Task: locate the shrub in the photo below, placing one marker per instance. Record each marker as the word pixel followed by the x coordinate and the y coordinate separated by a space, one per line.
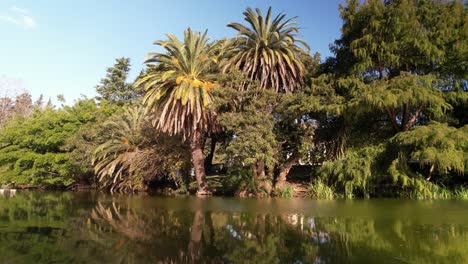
pixel 319 190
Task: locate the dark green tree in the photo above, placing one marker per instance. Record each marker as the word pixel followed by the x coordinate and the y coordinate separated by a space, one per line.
pixel 440 148
pixel 245 113
pixel 115 87
pixel 384 38
pixel 399 65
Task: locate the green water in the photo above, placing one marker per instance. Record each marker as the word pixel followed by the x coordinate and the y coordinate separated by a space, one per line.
pixel 57 227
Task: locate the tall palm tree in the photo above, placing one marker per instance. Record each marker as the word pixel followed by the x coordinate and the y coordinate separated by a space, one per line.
pixel 178 92
pixel 267 51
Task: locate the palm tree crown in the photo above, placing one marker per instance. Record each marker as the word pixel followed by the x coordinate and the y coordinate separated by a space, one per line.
pixel 267 50
pixel 178 85
pixel 114 160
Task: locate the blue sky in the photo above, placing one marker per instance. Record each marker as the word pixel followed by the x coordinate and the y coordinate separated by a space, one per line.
pixel 64 47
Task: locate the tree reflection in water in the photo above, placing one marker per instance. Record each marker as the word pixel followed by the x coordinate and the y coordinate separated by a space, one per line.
pixel 129 224
pixel 180 236
pixel 90 228
pixel 169 236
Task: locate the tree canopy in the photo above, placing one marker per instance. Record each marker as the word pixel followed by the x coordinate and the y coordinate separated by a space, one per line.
pixel 257 114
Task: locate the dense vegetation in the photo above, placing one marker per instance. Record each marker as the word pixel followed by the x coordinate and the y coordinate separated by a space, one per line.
pixel 386 116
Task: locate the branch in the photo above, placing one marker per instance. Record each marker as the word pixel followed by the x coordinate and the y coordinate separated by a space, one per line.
pixel 413 119
pixel 284 170
pixel 392 116
pixel 405 115
pixel 7 145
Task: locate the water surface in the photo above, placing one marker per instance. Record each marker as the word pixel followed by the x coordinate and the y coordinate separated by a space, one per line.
pixel 91 227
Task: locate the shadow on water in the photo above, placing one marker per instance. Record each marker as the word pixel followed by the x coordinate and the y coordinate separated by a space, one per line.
pixel 60 227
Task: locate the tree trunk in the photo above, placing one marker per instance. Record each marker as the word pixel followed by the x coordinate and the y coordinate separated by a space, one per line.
pixel 260 169
pixel 406 121
pixel 209 224
pixel 281 180
pixel 199 166
pixel 405 115
pixel 260 177
pixel 392 116
pixel 209 158
pixel 410 123
pixel 196 233
pixel 431 170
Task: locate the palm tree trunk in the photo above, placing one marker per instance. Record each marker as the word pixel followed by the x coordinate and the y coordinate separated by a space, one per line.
pixel 196 236
pixel 199 166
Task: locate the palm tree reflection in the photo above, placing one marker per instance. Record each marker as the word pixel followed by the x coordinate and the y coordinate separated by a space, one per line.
pixel 129 234
pixel 129 223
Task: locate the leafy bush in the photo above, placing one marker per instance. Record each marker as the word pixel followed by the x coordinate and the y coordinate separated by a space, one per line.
pixel 354 173
pixel 34 149
pixel 438 150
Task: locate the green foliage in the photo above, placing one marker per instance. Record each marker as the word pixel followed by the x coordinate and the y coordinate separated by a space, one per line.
pixel 178 93
pixel 303 120
pixel 421 189
pixel 365 118
pixel 35 149
pixel 246 116
pixel 403 98
pixel 395 67
pixel 80 145
pixel 294 126
pixel 459 101
pixel 461 193
pixel 263 126
pixel 320 191
pixel 287 192
pixel 394 58
pixel 441 147
pixel 267 51
pixel 354 173
pixel 112 158
pixel 240 180
pixel 418 36
pixel 417 164
pixel 178 89
pixel 114 88
pixel 134 154
pixel 448 24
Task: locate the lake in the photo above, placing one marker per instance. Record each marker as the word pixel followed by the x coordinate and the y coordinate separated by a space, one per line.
pixel 93 227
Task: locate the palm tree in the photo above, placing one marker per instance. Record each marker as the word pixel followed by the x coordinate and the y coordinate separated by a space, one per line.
pixel 267 51
pixel 178 92
pixel 135 154
pixel 114 160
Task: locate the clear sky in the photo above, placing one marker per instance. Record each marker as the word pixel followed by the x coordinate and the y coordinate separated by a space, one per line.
pixel 56 47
